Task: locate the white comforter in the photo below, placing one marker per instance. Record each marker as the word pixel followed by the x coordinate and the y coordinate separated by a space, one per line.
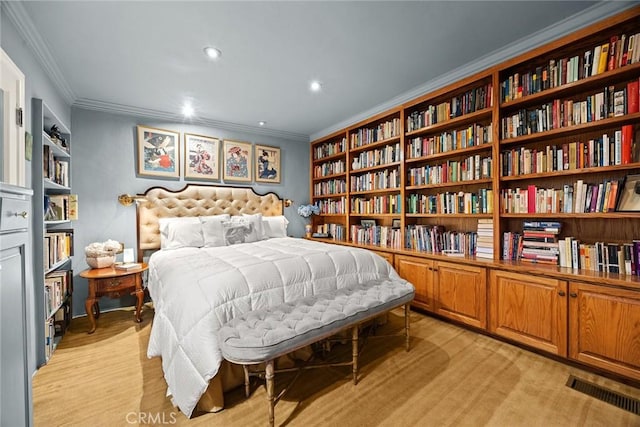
pixel 195 291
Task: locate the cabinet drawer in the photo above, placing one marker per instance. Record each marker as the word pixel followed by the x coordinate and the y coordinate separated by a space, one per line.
pixel 14 214
pixel 115 284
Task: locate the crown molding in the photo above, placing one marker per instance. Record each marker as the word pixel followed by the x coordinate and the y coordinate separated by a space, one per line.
pixel 108 107
pixel 28 31
pixel 588 16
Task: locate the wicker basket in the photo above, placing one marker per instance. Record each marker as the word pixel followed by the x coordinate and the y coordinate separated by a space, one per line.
pixel 101 261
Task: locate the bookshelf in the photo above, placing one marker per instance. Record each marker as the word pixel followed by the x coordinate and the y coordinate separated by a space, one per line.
pixel 541 137
pixel 54 207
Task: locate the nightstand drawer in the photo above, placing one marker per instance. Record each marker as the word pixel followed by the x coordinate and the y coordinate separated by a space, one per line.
pixel 115 284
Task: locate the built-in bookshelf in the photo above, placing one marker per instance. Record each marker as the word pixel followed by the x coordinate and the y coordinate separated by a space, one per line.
pixel 54 208
pixel 553 135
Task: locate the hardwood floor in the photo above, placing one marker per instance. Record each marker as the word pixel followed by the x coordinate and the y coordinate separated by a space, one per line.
pixel 451 377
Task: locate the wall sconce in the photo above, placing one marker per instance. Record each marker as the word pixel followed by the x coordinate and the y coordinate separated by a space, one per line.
pixel 287 202
pixel 128 200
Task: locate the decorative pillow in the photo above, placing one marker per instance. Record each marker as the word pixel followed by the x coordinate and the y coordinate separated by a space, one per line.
pixel 212 230
pixel 239 230
pixel 275 226
pixel 256 220
pixel 182 232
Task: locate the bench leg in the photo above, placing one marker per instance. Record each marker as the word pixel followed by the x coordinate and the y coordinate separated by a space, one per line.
pixel 406 325
pixel 247 388
pixel 354 353
pixel 269 377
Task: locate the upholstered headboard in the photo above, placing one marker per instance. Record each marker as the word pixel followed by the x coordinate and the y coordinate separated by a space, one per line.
pixel 197 200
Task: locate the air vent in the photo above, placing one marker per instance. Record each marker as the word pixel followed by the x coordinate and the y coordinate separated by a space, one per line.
pixel 616 399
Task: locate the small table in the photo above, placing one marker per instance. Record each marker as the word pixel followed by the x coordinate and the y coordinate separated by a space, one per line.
pixel 114 283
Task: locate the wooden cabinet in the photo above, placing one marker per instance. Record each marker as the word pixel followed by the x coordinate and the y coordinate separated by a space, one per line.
pixel 460 293
pixel 604 328
pixel 386 255
pixel 419 272
pixel 528 309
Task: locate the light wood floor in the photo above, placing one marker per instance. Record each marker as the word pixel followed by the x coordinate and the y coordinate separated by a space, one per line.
pixel 451 377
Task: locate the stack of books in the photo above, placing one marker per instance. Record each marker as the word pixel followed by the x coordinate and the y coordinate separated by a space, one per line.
pixel 540 242
pixel 484 248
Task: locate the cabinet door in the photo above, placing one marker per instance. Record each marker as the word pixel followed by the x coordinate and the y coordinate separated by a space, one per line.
pixel 418 271
pixel 386 255
pixel 604 328
pixel 461 293
pixel 528 309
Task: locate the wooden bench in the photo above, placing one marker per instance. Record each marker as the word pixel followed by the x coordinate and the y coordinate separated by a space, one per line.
pixel 261 336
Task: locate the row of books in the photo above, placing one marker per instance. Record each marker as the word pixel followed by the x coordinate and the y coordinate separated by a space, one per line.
pixel 386 130
pixel 618 52
pixel 458 139
pixel 580 197
pixel 451 203
pixel 604 257
pixel 60 207
pixel 484 247
pixel 470 101
pixel 566 113
pixel 329 168
pixel 332 231
pixel 470 169
pixel 390 204
pixel 435 239
pixel 57 246
pixel 332 206
pixel 57 286
pixel 380 156
pixel 55 326
pixel 383 236
pixel 538 243
pixel 385 179
pixel 54 169
pixel 332 186
pixel 617 149
pixel 329 149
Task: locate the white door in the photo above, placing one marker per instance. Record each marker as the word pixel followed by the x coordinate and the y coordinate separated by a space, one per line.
pixel 12 86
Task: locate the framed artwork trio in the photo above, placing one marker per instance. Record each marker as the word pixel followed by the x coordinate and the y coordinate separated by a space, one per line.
pixel 205 157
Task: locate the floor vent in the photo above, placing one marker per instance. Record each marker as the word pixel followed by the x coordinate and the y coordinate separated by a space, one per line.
pixel 620 400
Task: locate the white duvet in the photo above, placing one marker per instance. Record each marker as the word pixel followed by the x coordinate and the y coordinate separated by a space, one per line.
pixel 195 291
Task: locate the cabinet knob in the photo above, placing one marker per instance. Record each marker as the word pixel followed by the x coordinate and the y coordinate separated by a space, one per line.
pixel 573 295
pixel 561 293
pixel 23 214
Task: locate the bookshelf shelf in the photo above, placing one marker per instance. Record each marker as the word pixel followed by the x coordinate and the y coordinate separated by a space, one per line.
pixel 373 168
pixel 450 184
pixel 376 144
pixel 452 153
pixel 329 158
pixel 476 116
pixel 378 191
pixel 420 215
pixel 581 171
pixel 335 175
pixel 329 196
pixel 586 215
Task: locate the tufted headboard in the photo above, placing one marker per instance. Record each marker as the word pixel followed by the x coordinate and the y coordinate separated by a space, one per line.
pixel 197 200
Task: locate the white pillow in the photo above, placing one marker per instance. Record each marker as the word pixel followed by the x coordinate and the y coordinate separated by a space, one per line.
pixel 181 232
pixel 275 226
pixel 256 220
pixel 212 230
pixel 240 229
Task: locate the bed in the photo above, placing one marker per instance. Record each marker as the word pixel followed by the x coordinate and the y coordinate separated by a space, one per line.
pixel 195 290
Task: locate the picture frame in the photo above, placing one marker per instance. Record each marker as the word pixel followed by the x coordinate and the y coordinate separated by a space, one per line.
pixel 158 152
pixel 395 223
pixel 201 157
pixel 267 164
pixel 367 223
pixel 629 198
pixel 237 158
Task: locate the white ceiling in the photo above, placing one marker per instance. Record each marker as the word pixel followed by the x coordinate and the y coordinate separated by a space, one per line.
pixel 148 55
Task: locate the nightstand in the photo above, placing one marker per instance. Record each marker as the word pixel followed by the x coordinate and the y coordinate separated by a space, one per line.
pixel 113 283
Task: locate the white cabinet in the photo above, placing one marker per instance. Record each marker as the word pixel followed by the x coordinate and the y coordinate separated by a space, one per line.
pixel 12 146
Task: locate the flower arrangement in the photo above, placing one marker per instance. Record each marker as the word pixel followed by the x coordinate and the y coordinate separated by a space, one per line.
pixel 308 210
pixel 102 254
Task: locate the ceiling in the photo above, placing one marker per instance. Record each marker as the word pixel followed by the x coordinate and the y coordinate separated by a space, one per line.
pixel 148 55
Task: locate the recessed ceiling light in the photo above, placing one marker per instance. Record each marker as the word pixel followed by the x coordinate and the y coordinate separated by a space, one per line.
pixel 262 123
pixel 315 86
pixel 212 52
pixel 187 110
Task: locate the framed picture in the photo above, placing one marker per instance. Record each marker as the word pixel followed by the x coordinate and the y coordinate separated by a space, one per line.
pixel 202 157
pixel 158 152
pixel 629 200
pixel 237 160
pixel 395 223
pixel 267 164
pixel 367 223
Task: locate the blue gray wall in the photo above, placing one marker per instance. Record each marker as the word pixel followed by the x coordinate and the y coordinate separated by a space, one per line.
pixel 104 166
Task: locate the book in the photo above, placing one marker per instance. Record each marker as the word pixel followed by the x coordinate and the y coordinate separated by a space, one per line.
pixel 127 266
pixel 626 144
pixel 632 97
